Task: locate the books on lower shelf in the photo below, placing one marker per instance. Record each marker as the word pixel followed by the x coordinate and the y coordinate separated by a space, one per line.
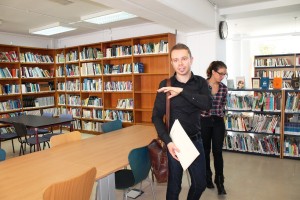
pixel 255 144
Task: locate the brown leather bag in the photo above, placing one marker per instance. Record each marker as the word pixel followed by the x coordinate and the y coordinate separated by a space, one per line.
pixel 158 151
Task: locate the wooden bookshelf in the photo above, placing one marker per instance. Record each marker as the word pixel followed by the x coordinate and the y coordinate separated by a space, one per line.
pixel 90 80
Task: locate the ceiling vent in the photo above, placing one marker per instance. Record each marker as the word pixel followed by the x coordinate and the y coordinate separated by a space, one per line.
pixel 62 2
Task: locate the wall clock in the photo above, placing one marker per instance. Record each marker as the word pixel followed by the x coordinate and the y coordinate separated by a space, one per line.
pixel 223 30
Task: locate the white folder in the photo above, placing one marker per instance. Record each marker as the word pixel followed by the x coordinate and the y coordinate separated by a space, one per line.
pixel 188 152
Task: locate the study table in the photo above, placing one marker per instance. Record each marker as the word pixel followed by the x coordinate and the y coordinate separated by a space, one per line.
pixel 26 177
pixel 34 121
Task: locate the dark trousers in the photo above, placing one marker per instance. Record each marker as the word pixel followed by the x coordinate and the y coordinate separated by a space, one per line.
pixel 212 133
pixel 197 173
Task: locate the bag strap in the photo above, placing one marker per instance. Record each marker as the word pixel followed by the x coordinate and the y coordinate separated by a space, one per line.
pixel 168 106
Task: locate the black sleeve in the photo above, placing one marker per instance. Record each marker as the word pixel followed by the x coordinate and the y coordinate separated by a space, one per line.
pixel 159 111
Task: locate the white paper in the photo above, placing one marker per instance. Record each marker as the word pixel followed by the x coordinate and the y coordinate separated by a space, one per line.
pixel 188 152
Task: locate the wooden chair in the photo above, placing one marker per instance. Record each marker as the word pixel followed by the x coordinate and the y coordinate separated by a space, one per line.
pixel 65 138
pixel 76 188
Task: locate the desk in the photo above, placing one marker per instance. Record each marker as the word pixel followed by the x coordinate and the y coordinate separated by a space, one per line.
pixel 34 121
pixel 107 152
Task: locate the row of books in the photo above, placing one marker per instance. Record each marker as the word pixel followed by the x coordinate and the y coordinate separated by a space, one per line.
pixel 8 129
pixel 150 48
pixel 35 87
pixel 92 126
pixel 92 114
pixel 89 53
pixel 92 84
pixel 89 69
pixel 92 101
pixel 247 143
pixel 9 89
pixel 292 147
pixel 72 70
pixel 291 128
pixel 6 73
pixel 73 100
pixel 125 116
pixel 12 104
pixel 60 72
pixel 60 58
pixel 61 99
pixel 293 102
pixel 256 123
pixel 125 104
pixel 272 74
pixel 29 57
pixel 118 86
pixel 76 112
pixel 272 62
pixel 35 72
pixel 8 56
pixel 73 85
pixel 13 114
pixel 72 56
pixel 38 102
pixel 264 101
pixel 118 51
pixel 117 69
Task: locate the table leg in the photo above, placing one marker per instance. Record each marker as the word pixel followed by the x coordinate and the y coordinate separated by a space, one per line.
pixel 106 188
pixel 38 148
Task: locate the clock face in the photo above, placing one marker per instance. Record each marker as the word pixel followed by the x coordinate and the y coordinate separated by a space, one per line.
pixel 223 30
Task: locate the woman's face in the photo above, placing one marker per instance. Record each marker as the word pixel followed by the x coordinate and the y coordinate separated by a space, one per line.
pixel 220 74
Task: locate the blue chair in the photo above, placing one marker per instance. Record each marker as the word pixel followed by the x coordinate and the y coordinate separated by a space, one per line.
pixel 111 126
pixel 139 161
pixel 2 155
pixel 8 136
pixel 24 140
pixel 41 130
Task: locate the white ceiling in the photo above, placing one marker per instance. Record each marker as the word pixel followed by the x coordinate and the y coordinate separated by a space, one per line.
pixel 243 16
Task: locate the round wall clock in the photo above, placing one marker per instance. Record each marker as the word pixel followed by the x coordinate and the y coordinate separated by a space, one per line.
pixel 223 30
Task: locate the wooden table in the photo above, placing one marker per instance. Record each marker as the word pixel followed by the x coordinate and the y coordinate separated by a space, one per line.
pixel 34 121
pixel 27 177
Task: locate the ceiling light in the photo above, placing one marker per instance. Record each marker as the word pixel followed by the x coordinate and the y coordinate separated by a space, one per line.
pixel 105 19
pixel 50 29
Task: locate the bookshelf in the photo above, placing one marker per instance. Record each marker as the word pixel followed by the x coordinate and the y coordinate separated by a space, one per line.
pixel 96 82
pixel 267 127
pixel 284 66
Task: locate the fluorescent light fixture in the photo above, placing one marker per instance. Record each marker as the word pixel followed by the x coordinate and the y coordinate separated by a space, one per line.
pixel 50 29
pixel 108 18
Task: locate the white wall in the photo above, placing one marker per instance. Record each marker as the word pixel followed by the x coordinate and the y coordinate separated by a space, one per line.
pixel 114 34
pixel 24 40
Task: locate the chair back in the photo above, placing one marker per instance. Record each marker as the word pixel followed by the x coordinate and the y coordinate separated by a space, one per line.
pixel 47 114
pixel 139 161
pixel 111 126
pixel 66 116
pixel 77 188
pixel 65 138
pixel 20 129
pixel 2 155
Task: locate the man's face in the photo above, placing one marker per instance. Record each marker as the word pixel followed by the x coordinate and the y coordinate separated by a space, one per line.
pixel 181 61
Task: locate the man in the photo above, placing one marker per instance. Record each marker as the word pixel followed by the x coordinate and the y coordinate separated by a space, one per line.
pixel 189 94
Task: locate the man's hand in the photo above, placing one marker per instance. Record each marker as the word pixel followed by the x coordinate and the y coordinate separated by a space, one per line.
pixel 174 91
pixel 173 149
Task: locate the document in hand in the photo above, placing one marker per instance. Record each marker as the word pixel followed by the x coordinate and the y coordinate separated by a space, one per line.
pixel 188 152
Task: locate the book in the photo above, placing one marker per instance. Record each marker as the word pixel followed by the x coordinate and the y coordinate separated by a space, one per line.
pixel 230 84
pixel 264 83
pixel 240 82
pixel 277 83
pixel 188 152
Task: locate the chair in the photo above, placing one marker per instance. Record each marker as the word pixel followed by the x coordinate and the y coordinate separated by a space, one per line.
pixel 8 136
pixel 62 116
pixel 2 155
pixel 111 126
pixel 65 138
pixel 21 131
pixel 139 161
pixel 76 188
pixel 41 130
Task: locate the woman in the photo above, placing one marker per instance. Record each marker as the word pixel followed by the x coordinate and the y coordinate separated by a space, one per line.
pixel 213 126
